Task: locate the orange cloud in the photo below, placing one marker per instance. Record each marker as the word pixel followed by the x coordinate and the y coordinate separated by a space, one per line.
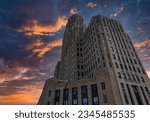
pixel 91 5
pixel 73 10
pixel 148 73
pixel 22 97
pixel 142 44
pixel 40 48
pixel 35 28
pixel 14 73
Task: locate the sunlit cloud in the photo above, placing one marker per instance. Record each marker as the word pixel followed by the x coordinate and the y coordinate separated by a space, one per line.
pixel 14 73
pixel 91 5
pixel 148 73
pixel 119 10
pixel 39 48
pixel 34 27
pixel 22 96
pixel 143 50
pixel 142 44
pixel 73 10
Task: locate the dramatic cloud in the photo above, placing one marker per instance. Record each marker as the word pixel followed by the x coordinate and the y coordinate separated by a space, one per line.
pixel 73 10
pixel 34 27
pixel 40 48
pixel 91 5
pixel 13 73
pixel 143 50
pixel 22 95
pixel 142 44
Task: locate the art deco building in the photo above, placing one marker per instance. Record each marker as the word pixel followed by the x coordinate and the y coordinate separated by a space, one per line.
pixel 99 65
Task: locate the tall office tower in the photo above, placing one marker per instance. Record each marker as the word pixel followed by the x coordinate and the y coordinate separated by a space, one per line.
pixel 71 43
pixel 99 65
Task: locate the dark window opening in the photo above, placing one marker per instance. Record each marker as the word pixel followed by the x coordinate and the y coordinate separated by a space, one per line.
pixel 84 94
pixel 49 93
pixel 103 85
pixel 142 79
pixel 124 94
pixel 65 96
pixel 130 95
pixel 95 99
pixel 74 96
pixel 105 97
pixel 57 97
pixel 119 75
pixel 144 96
pixel 137 95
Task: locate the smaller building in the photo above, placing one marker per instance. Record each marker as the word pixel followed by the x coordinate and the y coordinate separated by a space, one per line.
pixel 82 92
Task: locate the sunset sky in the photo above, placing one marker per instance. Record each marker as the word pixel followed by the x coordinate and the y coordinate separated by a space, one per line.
pixel 31 33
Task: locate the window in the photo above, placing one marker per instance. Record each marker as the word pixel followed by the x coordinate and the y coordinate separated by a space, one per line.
pixel 74 96
pixel 130 94
pixel 137 77
pixel 135 61
pixel 121 66
pixel 49 93
pixel 95 99
pixel 142 79
pixel 144 95
pixel 137 94
pixel 102 57
pixel 78 73
pixel 138 70
pixel 119 75
pixel 103 85
pixel 84 94
pixel 112 49
pixel 104 65
pixel 147 91
pixel 133 78
pixel 65 96
pixel 116 65
pixel 129 77
pixel 125 67
pixel 124 93
pixel 98 60
pixel 114 57
pixel 124 75
pixel 57 97
pixel 105 97
pixel 110 42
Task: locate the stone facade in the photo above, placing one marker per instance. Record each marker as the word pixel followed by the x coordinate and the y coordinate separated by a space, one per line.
pixel 99 65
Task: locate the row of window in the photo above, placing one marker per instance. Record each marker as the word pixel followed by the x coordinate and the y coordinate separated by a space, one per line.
pixel 130 77
pixel 84 95
pixel 137 92
pixel 122 43
pixel 124 67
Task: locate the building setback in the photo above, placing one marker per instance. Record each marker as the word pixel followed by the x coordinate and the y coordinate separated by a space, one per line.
pixel 99 65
